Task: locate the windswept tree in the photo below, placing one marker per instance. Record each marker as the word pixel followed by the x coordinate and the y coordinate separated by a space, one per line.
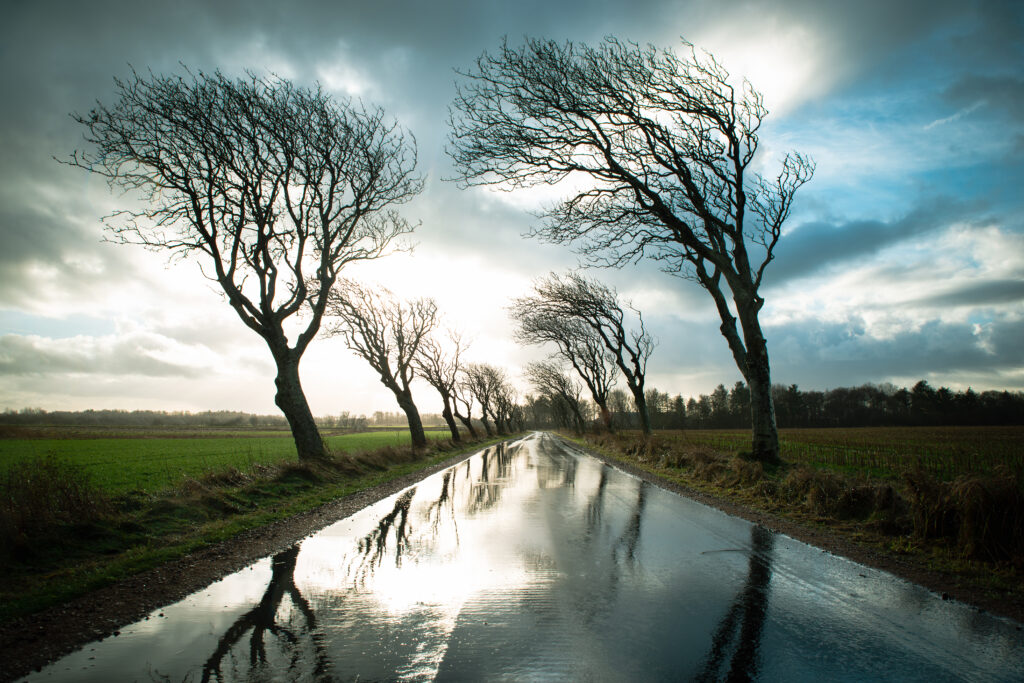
pixel 387 333
pixel 574 312
pixel 271 187
pixel 550 379
pixel 485 383
pixel 462 402
pixel 577 344
pixel 439 366
pixel 661 149
pixel 506 410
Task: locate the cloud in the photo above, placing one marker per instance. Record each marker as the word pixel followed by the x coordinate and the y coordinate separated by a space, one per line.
pixel 818 245
pixel 1003 94
pixel 133 354
pixel 993 292
pixel 848 355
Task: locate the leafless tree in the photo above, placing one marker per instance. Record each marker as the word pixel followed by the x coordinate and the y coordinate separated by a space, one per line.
pixel 462 401
pixel 272 187
pixel 505 407
pixel 576 314
pixel 577 344
pixel 664 149
pixel 387 334
pixel 485 382
pixel 440 368
pixel 551 380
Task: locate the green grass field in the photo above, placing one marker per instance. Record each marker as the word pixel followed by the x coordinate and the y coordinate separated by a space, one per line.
pixel 139 462
pixel 886 452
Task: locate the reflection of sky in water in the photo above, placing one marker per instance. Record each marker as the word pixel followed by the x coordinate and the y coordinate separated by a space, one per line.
pixel 528 561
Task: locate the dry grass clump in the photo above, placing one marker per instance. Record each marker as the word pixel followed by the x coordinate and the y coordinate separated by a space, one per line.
pixel 982 515
pixel 977 517
pixel 41 493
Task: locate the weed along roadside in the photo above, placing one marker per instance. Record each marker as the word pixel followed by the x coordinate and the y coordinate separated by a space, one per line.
pixel 79 563
pixel 962 538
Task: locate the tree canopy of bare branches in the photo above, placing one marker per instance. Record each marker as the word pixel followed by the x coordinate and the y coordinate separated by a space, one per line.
pixel 584 320
pixel 386 333
pixel 272 187
pixel 664 147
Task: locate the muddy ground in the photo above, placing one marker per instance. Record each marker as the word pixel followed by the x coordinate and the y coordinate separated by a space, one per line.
pixel 29 643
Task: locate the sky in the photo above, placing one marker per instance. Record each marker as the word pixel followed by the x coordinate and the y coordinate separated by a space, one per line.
pixel 903 259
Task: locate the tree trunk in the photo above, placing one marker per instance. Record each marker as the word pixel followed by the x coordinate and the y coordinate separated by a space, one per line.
pixel 468 421
pixel 419 438
pixel 578 416
pixel 450 419
pixel 487 425
pixel 292 402
pixel 641 409
pixel 751 356
pixel 606 416
pixel 764 431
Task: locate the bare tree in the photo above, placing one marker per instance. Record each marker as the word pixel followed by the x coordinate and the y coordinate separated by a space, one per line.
pixel 462 400
pixel 441 370
pixel 484 382
pixel 551 380
pixel 505 406
pixel 664 148
pixel 272 187
pixel 387 334
pixel 575 313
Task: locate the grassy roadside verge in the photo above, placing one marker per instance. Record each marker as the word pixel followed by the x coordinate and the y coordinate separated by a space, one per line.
pixel 68 538
pixel 964 536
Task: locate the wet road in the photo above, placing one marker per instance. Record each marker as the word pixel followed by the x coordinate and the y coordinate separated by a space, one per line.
pixel 534 561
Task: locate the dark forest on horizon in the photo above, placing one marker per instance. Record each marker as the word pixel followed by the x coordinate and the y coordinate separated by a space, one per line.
pixel 868 405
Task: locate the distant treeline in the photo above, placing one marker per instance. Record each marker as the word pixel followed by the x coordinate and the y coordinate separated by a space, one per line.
pixel 868 405
pixel 214 418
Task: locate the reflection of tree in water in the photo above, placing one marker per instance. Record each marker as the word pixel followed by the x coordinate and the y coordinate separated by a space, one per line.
pixel 495 470
pixel 595 506
pixel 623 547
pixel 445 502
pixel 557 472
pixel 631 533
pixel 374 546
pixel 741 628
pixel 287 631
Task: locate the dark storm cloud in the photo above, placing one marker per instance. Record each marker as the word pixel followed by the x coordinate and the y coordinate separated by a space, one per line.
pixel 805 352
pixel 817 245
pixel 990 293
pixel 1003 93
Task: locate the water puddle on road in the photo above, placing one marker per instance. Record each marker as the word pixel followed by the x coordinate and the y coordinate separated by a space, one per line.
pixel 533 561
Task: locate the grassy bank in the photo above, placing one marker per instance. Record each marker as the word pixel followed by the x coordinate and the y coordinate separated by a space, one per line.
pixel 968 526
pixel 68 525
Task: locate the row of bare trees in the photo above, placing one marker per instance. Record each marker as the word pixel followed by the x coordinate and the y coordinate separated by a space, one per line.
pixel 591 334
pixel 399 341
